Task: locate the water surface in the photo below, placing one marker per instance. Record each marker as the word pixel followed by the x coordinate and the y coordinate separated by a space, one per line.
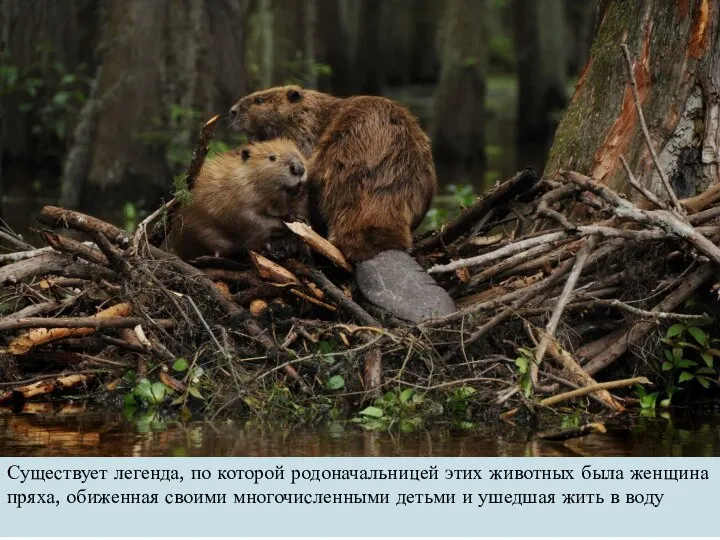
pixel 47 429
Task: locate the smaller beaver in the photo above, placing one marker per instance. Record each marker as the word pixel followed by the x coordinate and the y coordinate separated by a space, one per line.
pixel 241 199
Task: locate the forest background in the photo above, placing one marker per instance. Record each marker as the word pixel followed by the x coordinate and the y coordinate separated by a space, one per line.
pixel 101 100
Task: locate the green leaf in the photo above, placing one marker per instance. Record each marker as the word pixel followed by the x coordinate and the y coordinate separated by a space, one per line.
pixel 522 364
pixel 406 394
pixel 335 383
pixel 685 363
pixel 677 353
pixel 665 403
pixel 685 376
pixel 686 345
pixel 668 355
pixel 707 358
pixel 674 330
pixel 698 335
pixel 194 392
pixel 324 347
pixel 667 341
pixel 372 412
pixel 527 353
pixel 704 381
pixel 464 392
pixel 181 364
pixel 159 391
pixel 667 366
pixel 705 371
pixel 714 352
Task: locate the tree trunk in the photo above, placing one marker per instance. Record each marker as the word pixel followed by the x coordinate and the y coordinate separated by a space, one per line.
pixel 540 47
pixel 309 22
pixel 458 130
pixel 334 49
pixel 165 68
pixel 676 62
pixel 369 57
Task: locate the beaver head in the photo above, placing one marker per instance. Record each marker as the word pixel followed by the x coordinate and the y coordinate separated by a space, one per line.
pixel 278 174
pixel 290 112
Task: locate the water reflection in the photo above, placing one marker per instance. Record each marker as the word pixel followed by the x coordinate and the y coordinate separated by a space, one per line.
pixel 44 429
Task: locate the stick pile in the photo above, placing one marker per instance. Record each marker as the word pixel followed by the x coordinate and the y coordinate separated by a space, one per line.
pixel 565 268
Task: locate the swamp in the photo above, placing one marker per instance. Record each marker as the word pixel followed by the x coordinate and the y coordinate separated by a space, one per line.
pixel 576 226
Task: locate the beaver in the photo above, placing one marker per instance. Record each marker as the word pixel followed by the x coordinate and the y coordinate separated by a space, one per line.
pixel 240 200
pixel 370 165
pixel 371 176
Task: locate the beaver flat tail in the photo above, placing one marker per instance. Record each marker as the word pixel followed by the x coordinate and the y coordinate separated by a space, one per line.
pixel 394 281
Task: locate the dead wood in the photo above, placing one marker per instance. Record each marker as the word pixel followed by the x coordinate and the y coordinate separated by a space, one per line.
pixel 674 299
pixel 521 182
pixel 318 244
pixel 256 324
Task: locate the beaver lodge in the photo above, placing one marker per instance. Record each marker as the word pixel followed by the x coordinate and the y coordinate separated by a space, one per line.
pixel 565 291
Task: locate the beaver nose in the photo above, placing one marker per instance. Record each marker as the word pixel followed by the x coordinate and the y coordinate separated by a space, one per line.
pixel 234 111
pixel 296 168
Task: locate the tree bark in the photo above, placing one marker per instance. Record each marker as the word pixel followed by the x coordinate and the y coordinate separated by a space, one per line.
pixel 676 62
pixel 458 130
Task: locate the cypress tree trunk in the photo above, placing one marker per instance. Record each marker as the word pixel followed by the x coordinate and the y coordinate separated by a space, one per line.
pixel 676 62
pixel 458 130
pixel 540 45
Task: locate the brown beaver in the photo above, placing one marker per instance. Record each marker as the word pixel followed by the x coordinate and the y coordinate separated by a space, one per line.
pixel 240 200
pixel 370 165
pixel 372 180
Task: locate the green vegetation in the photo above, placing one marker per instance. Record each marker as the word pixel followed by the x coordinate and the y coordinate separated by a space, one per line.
pixel 459 197
pixel 689 354
pixel 523 363
pixel 46 91
pixel 172 132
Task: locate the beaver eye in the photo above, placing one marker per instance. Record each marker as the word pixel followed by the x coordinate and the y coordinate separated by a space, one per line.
pixel 259 101
pixel 272 157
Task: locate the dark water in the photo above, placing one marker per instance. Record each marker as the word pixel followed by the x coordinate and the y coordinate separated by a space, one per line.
pixel 45 429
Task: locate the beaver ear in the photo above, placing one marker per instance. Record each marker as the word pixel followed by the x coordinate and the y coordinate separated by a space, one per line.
pixel 294 95
pixel 245 153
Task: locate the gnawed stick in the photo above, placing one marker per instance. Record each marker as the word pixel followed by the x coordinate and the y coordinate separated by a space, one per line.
pixel 581 392
pixel 549 334
pixel 566 360
pixel 47 386
pixel 47 333
pixel 319 244
pixel 80 322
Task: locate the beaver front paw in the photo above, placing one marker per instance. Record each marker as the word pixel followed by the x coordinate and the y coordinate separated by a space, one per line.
pixel 288 247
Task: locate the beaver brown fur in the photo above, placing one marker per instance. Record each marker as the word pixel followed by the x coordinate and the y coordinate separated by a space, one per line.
pixel 240 200
pixel 370 165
